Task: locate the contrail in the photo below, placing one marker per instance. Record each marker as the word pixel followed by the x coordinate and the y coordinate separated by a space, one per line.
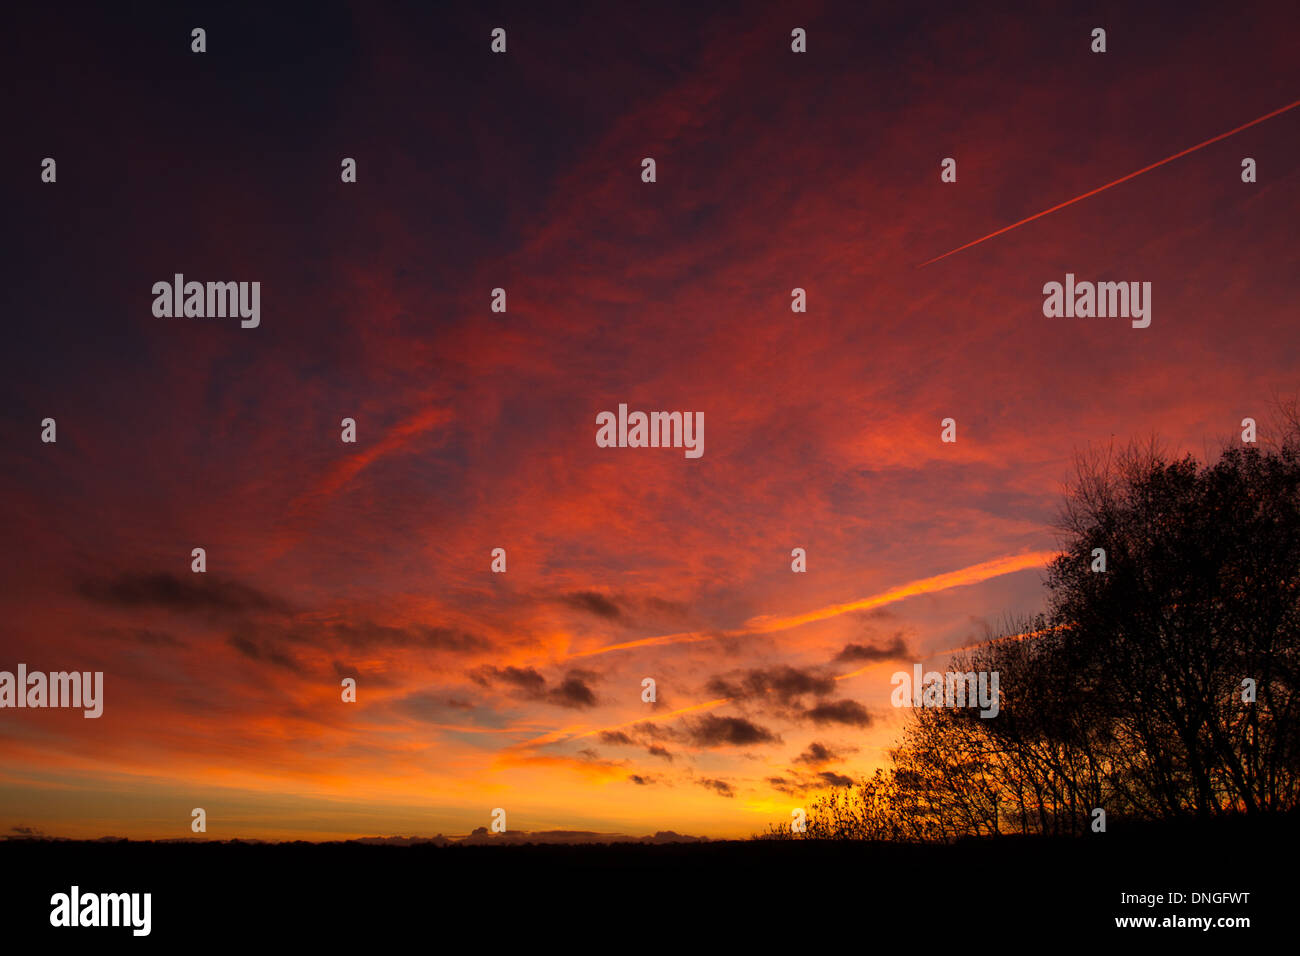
pixel 1122 179
pixel 940 582
pixel 765 624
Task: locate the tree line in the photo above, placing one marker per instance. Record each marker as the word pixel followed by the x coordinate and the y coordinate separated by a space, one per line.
pixel 1161 688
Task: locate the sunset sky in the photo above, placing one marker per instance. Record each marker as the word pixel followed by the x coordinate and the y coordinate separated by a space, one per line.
pixel 476 430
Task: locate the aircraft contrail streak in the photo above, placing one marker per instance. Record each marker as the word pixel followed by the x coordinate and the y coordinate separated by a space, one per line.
pixel 1122 179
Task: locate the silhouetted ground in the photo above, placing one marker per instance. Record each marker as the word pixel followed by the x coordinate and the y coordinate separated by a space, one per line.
pixel 972 895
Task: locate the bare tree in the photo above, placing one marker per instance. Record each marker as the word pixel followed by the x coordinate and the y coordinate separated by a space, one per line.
pixel 1164 686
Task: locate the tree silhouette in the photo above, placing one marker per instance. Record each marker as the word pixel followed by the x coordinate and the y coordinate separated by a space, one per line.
pixel 1127 692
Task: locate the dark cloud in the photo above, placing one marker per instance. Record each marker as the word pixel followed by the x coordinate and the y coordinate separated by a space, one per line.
pixel 782 785
pixel 721 687
pixel 816 754
pixel 262 651
pixel 654 731
pixel 720 786
pixel 640 780
pixel 346 639
pixel 714 731
pixel 369 635
pixel 573 691
pixel 194 593
pixel 641 737
pixel 895 649
pixel 527 680
pixel 213 594
pixel 593 602
pixel 799 783
pixel 216 596
pixel 784 682
pixel 839 712
pixel 369 679
pixel 621 608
